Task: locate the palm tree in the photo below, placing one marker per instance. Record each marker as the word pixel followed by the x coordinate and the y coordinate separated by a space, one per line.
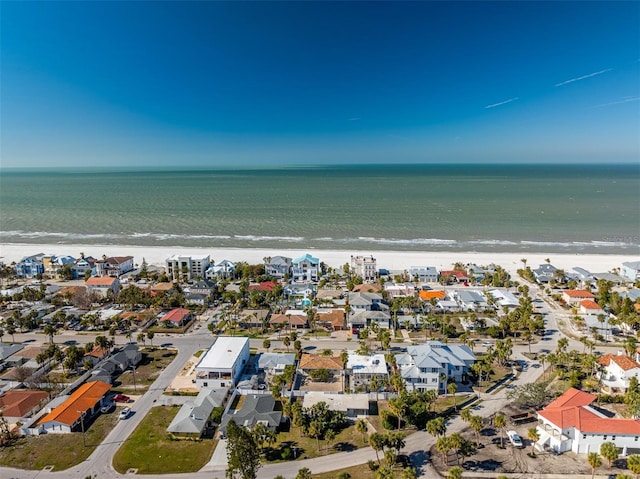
pixel 377 442
pixel 455 473
pixel 500 422
pixel 451 389
pixel 594 461
pixel 286 341
pixel 361 427
pixel 50 330
pixel 609 451
pixel 477 424
pixel 633 464
pixel 443 446
pixel 436 427
pixel 534 436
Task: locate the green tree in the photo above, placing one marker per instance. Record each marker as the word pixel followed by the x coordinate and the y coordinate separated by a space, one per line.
pixel 633 464
pixel 437 427
pixel 361 427
pixel 455 473
pixel 150 335
pixel 477 424
pixel 609 451
pixel 443 446
pixel 266 344
pixel 377 442
pixel 534 436
pixel 594 461
pixel 243 453
pixel 304 473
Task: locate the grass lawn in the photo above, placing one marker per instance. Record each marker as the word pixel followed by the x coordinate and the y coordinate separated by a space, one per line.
pixel 150 450
pixel 61 451
pixel 307 447
pixel 360 471
pixel 445 402
pixel 152 363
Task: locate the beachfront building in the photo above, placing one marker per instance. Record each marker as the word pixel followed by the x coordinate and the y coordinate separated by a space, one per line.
pixel 222 365
pixel 570 424
pixel 544 273
pixel 278 266
pixel 305 268
pixel 433 365
pixel 30 266
pixel 82 265
pixel 114 266
pixel 453 276
pixel 424 274
pixel 185 267
pixel 103 286
pixel 53 264
pixel 225 269
pixel 364 267
pixel 631 270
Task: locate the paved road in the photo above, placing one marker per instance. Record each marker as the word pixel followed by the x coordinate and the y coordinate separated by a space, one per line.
pixel 99 463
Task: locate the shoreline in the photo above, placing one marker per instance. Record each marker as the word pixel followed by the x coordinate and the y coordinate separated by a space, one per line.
pixel 335 258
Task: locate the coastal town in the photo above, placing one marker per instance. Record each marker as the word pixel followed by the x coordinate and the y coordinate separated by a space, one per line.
pixel 293 368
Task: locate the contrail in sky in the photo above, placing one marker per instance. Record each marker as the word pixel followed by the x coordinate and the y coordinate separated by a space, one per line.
pixel 583 77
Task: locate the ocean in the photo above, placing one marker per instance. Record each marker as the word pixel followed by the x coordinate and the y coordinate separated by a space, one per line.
pixel 509 208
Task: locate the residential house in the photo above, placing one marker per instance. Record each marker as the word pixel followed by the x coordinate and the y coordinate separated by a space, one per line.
pixel 311 362
pixel 273 364
pixel 225 269
pixel 129 356
pixel 222 365
pixel 255 409
pixel 365 319
pixel 30 266
pixel 82 265
pixel 305 268
pixel 333 319
pixel 618 370
pixel 365 302
pixel 177 317
pixel 253 318
pixel 300 292
pixel 476 272
pixel 470 300
pixel 292 319
pixel 203 287
pixel 433 365
pixel 544 273
pixel 364 267
pixel 573 297
pixel 454 276
pixel 18 404
pixel 103 286
pixel 362 370
pixel 590 308
pixel 424 274
pixel 52 264
pixel 76 410
pixel 504 298
pixel 432 296
pixel 367 288
pixel 353 405
pixel 278 266
pixel 631 270
pixel 187 267
pixel 570 423
pixel 195 415
pixel 402 290
pixel 114 266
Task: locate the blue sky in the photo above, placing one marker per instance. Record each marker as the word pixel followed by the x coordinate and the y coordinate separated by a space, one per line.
pixel 279 83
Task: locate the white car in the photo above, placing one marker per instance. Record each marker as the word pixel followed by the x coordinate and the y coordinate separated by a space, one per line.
pixel 124 414
pixel 514 439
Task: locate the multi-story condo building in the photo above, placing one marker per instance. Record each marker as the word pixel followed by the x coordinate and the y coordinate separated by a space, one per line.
pixel 183 267
pixel 365 267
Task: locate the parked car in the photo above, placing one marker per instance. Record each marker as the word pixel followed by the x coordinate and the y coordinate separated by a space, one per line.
pixel 107 408
pixel 124 414
pixel 121 398
pixel 514 439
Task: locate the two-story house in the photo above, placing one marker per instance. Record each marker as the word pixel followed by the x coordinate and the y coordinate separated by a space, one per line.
pixel 222 365
pixel 225 269
pixel 114 266
pixel 618 370
pixel 278 266
pixel 305 268
pixel 101 286
pixel 424 274
pixel 30 266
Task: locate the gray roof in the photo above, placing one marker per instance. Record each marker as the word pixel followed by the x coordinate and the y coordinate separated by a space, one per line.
pixel 193 415
pixel 439 353
pixel 256 408
pixel 471 297
pixel 632 265
pixel 7 350
pixel 280 260
pixel 269 360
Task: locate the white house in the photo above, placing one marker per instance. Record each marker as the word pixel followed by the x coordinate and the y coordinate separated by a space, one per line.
pixel 362 369
pixel 433 364
pixel 187 267
pixel 631 270
pixel 504 298
pixel 224 269
pixel 222 365
pixel 353 405
pixel 278 266
pixel 306 268
pixel 570 424
pixel 114 266
pixel 101 285
pixel 365 267
pixel 424 274
pixel 619 369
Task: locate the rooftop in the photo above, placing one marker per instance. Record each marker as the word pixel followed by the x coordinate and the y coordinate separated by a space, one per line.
pixel 223 353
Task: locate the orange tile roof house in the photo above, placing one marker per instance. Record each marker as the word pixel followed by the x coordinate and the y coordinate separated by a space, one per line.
pixel 334 319
pixel 177 316
pixel 574 296
pixel 83 403
pixel 570 424
pixel 309 362
pixel 20 403
pixel 588 306
pixel 428 295
pixel 101 285
pixel 293 321
pixel 619 369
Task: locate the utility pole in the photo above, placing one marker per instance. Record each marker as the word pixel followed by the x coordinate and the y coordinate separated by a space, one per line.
pixel 133 368
pixel 84 443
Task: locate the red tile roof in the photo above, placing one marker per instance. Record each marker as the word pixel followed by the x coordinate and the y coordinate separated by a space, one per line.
pixel 115 259
pixel 625 362
pixel 82 399
pixel 101 281
pixel 264 286
pixel 579 293
pixel 590 304
pixel 455 273
pixel 293 319
pixel 571 410
pixel 18 403
pixel 176 315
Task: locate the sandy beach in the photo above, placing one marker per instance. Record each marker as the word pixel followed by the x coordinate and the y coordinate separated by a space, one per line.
pixel 391 260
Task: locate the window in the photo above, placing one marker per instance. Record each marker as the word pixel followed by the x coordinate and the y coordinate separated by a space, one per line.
pixel 613 438
pixel 635 438
pixel 584 436
pixel 605 437
pixel 205 385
